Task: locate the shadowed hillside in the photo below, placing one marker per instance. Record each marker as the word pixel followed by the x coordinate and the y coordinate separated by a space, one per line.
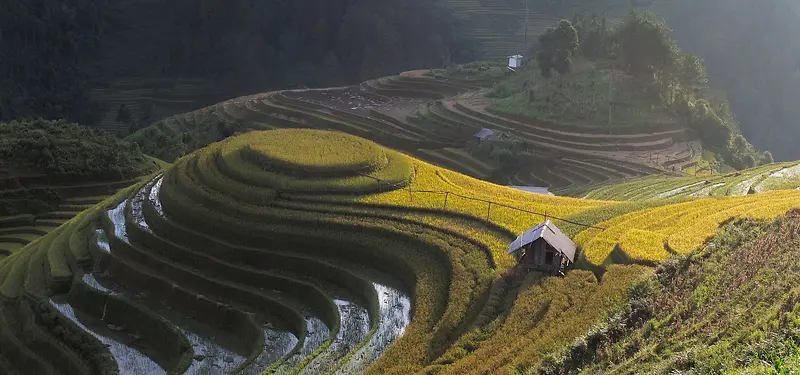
pixel 311 251
pixel 50 171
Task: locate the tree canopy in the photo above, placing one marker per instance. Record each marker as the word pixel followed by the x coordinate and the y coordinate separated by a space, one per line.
pixel 68 150
pixel 46 47
pixel 556 47
pixel 645 45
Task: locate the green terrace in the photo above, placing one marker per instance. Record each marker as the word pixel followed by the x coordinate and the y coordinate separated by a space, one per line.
pixel 434 117
pixel 283 284
pixel 755 180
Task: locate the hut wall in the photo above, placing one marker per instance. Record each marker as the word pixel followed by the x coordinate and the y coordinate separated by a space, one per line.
pixel 536 256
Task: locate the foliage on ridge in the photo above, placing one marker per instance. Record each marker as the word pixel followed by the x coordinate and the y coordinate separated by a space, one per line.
pixel 632 74
pixel 69 150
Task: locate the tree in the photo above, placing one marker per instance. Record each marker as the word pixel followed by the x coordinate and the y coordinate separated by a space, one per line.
pixel 691 70
pixel 766 158
pixel 562 63
pixel 711 128
pixel 645 46
pixel 593 34
pixel 556 47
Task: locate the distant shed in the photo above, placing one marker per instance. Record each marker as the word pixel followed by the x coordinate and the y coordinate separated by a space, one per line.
pixel 483 134
pixel 514 62
pixel 544 248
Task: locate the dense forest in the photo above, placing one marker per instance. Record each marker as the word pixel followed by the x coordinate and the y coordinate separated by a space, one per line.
pixel 53 50
pixel 68 151
pixel 46 49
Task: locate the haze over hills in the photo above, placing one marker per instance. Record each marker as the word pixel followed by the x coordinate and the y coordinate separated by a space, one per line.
pixel 371 228
pixel 122 53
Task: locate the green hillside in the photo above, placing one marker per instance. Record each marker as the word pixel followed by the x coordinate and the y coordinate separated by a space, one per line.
pixel 302 251
pixel 729 308
pixel 750 181
pixel 52 170
pixel 365 229
pixel 604 119
pixel 498 27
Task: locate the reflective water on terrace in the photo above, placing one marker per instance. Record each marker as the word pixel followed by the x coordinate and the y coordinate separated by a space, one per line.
pixel 395 315
pixel 354 325
pixel 209 357
pixel 276 345
pixel 92 282
pixel 102 240
pixel 317 334
pixel 137 206
pixel 154 192
pixel 706 191
pixel 129 360
pixel 743 187
pixel 117 216
pixel 674 192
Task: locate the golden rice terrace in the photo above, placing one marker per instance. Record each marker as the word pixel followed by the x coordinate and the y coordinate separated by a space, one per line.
pixel 299 251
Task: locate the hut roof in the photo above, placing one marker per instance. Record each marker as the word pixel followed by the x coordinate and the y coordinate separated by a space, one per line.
pixel 550 233
pixel 484 133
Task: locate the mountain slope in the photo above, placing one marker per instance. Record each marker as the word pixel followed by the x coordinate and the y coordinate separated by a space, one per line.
pixel 50 171
pixel 730 308
pixel 312 251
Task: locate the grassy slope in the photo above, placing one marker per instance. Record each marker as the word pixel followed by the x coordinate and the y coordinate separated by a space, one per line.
pixel 452 273
pixel 581 97
pixel 728 309
pixel 760 179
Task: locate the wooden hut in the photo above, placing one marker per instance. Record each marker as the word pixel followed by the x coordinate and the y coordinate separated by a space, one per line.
pixel 544 248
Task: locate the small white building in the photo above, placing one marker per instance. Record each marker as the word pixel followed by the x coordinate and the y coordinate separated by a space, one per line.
pixel 514 62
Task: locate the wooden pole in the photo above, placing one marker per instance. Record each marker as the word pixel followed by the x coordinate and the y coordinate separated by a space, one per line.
pixel 489 211
pixel 446 195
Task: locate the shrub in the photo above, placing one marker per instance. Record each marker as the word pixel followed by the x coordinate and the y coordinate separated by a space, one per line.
pixel 68 150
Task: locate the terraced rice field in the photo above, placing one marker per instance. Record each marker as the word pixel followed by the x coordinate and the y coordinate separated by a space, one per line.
pixel 434 118
pixel 300 251
pixel 499 26
pixel 649 236
pixel 755 180
pixel 332 296
pixel 19 230
pixel 148 99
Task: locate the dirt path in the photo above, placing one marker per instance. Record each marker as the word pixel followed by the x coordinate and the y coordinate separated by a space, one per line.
pixel 657 158
pixel 415 73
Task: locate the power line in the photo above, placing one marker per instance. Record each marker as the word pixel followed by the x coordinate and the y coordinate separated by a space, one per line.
pixel 490 203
